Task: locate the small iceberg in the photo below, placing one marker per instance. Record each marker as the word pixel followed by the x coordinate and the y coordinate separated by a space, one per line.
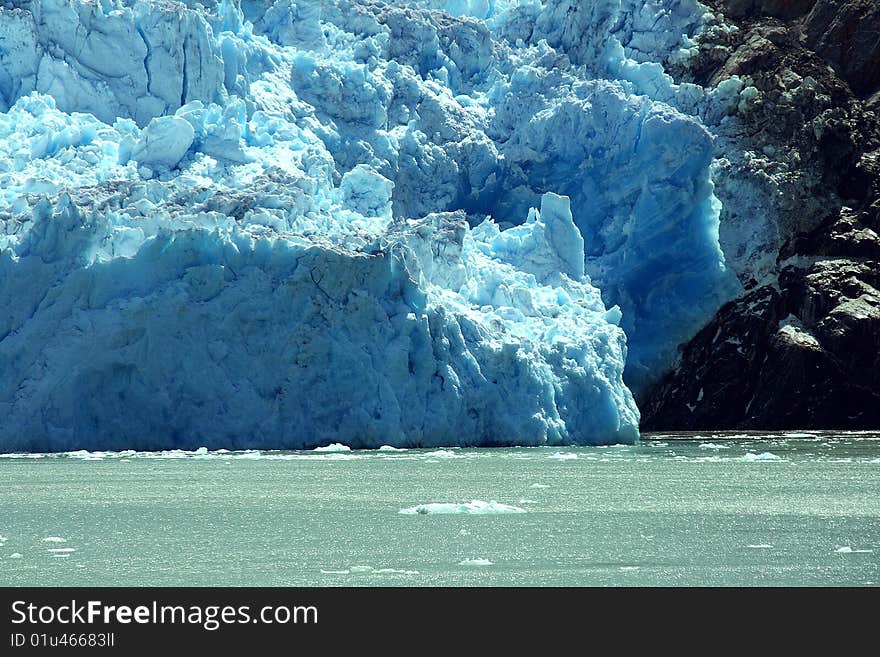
pixel 475 562
pixel 563 456
pixel 369 570
pixel 442 454
pixel 763 456
pixel 334 448
pixel 474 507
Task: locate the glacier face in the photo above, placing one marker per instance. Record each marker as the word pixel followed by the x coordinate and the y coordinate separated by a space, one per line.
pixel 282 224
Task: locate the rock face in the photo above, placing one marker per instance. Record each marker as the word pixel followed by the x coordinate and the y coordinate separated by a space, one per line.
pixel 800 347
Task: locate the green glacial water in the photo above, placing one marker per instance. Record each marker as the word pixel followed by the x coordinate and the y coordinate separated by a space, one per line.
pixel 712 509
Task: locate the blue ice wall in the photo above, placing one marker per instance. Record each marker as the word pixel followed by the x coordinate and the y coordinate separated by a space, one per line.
pixel 295 222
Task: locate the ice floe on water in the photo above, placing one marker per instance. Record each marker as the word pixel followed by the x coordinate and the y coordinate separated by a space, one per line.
pixel 61 552
pixel 706 448
pixel 334 448
pixel 480 562
pixel 760 546
pixel 847 549
pixel 563 456
pixel 368 570
pixel 441 454
pixel 763 456
pixel 474 507
pixel 54 539
pixel 539 486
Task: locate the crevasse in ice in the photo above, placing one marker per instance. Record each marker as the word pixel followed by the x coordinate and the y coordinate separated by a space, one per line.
pixel 283 224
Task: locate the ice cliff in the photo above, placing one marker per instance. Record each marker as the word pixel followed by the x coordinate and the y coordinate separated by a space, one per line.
pixel 283 224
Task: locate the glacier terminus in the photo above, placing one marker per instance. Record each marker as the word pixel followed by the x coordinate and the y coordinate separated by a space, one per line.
pixel 289 223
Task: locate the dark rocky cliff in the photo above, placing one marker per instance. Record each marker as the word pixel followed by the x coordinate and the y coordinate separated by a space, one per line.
pixel 802 348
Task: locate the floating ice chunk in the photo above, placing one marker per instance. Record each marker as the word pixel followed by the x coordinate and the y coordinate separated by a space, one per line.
pixel 539 486
pixel 442 454
pixel 15 555
pixel 760 546
pixel 475 507
pixel 763 456
pixel 563 456
pixel 85 455
pixel 846 549
pixel 334 448
pixel 714 446
pixel 475 562
pixel 54 539
pixel 389 448
pixel 369 570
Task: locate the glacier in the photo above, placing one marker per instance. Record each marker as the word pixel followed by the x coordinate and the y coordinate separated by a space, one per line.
pixel 290 223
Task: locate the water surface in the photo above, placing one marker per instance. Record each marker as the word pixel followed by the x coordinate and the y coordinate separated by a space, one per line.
pixel 712 509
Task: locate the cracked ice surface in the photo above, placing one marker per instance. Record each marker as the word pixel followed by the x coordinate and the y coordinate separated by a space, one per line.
pixel 284 224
